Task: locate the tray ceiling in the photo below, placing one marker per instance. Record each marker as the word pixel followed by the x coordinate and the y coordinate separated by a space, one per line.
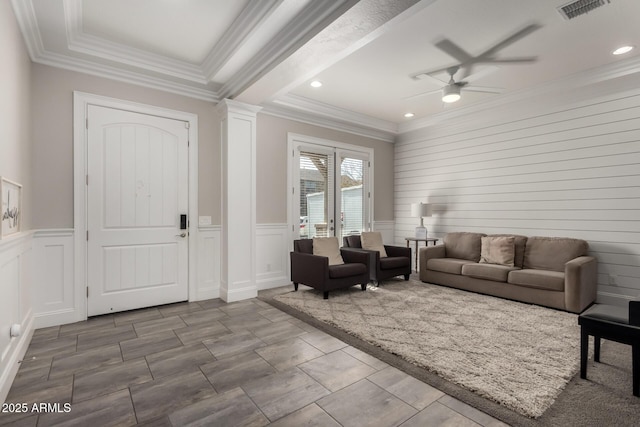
pixel 365 52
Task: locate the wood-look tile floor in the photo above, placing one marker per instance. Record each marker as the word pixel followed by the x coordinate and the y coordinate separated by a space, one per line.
pixel 210 363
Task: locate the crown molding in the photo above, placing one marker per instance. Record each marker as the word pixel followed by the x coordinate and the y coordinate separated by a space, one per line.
pixel 297 32
pixel 81 42
pixel 126 76
pixel 26 17
pixel 251 17
pixel 350 122
pixel 319 108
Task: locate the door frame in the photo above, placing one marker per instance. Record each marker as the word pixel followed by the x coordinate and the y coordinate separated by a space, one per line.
pixel 294 139
pixel 81 101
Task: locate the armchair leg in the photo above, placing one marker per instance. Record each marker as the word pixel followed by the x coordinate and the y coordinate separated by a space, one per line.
pixel 363 286
pixel 325 295
pixel 584 349
pixel 295 286
pixel 406 276
pixel 596 348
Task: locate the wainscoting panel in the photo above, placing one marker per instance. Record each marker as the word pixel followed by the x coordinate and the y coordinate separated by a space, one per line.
pixel 53 298
pixel 15 305
pixel 538 169
pixel 208 283
pixel 272 256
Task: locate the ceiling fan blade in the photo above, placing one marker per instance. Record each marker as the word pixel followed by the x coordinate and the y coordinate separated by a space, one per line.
pixel 422 94
pixel 509 60
pixel 485 71
pixel 453 50
pixel 510 40
pixel 467 70
pixel 483 89
pixel 428 76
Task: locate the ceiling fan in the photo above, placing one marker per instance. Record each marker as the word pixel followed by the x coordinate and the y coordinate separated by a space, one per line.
pixel 467 62
pixel 451 89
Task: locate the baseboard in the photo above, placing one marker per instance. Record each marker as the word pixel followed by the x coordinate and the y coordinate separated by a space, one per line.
pixel 208 293
pixel 58 317
pixel 13 364
pixel 613 299
pixel 238 293
pixel 272 282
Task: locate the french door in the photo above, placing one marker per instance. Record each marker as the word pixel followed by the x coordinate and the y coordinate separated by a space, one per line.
pixel 331 193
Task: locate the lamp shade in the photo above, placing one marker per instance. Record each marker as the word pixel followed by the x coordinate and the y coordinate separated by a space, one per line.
pixel 420 209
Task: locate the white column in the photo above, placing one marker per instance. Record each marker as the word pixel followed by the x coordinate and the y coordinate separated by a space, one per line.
pixel 238 268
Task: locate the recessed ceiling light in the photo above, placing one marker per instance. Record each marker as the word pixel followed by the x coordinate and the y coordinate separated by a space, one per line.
pixel 316 83
pixel 622 50
pixel 409 115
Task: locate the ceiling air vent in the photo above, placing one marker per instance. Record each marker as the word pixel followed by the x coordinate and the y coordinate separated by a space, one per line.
pixel 580 7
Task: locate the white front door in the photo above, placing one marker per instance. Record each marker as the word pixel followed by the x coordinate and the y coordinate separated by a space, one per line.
pixel 137 191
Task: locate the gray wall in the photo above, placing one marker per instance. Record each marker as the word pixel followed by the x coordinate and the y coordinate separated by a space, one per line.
pixel 556 164
pixel 271 166
pixel 52 113
pixel 15 130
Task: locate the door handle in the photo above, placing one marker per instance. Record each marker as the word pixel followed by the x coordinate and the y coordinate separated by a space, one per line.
pixel 181 235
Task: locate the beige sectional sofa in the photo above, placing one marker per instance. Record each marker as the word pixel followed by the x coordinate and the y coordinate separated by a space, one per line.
pixel 550 271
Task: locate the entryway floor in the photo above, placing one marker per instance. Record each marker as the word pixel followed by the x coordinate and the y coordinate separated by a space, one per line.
pixel 216 364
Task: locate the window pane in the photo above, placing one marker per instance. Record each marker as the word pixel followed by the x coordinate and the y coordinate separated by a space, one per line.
pixel 314 182
pixel 352 196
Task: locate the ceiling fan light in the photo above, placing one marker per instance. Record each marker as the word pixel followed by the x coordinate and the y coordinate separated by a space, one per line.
pixel 450 93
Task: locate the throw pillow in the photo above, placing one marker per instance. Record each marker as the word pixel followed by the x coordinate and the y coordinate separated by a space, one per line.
pixel 498 250
pixel 372 241
pixel 329 247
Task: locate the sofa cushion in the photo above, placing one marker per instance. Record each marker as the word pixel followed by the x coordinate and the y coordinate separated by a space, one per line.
pixel 372 241
pixel 389 263
pixel 519 243
pixel 551 253
pixel 463 245
pixel 329 247
pixel 495 272
pixel 539 279
pixel 447 265
pixel 497 250
pixel 346 270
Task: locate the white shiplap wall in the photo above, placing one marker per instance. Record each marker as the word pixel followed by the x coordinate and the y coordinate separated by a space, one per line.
pixel 570 171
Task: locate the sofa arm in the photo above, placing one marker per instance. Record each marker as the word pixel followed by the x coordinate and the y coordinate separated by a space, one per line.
pixel 430 252
pixel 580 283
pixel 312 270
pixel 397 251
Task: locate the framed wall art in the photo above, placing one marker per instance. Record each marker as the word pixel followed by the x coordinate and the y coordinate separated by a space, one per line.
pixel 11 213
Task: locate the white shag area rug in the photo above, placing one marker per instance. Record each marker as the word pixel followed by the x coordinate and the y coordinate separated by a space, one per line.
pixel 519 355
